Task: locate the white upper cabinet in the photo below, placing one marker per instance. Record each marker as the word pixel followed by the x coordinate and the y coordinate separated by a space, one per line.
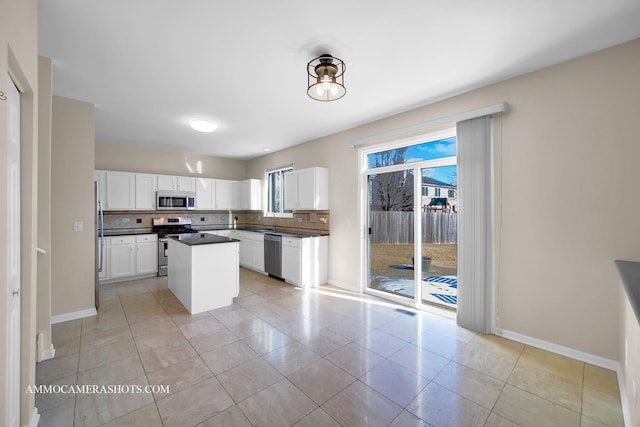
pixel 227 194
pixel 176 183
pixel 167 183
pixel 186 183
pixel 146 187
pixel 101 179
pixel 131 191
pixel 250 194
pixel 291 190
pixel 120 189
pixel 205 193
pixel 307 189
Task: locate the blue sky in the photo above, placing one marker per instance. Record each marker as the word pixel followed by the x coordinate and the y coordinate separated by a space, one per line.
pixel 432 150
pixel 446 174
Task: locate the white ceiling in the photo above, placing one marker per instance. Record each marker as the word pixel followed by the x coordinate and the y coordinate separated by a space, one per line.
pixel 150 66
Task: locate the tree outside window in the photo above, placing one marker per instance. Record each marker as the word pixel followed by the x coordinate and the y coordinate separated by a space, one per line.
pixel 275 191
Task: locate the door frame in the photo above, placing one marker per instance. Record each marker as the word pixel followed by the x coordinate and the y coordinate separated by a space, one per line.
pixel 13 338
pixel 363 191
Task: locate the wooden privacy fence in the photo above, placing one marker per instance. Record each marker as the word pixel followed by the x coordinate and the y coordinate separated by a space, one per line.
pixel 396 227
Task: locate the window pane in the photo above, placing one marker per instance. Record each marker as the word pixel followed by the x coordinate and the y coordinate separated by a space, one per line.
pixel 414 153
pixel 275 191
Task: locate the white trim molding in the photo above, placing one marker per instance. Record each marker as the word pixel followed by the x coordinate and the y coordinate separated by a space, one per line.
pixel 47 354
pixel 343 286
pixel 73 315
pixel 560 349
pixel 35 418
pixel 430 125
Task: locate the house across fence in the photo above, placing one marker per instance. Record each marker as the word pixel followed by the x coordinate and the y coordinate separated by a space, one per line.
pixel 396 227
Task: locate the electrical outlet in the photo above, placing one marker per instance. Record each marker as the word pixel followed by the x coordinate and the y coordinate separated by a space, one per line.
pixel 202 219
pixel 138 220
pixel 299 219
pixel 323 220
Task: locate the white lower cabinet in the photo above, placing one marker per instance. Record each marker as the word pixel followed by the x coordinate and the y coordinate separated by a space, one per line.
pixel 146 254
pixel 292 260
pixel 251 247
pixel 121 259
pixel 130 256
pixel 304 260
pixel 252 252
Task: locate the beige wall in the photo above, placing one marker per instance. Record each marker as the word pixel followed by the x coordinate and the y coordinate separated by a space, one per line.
pixel 72 188
pixel 572 126
pixel 43 315
pixel 19 57
pixel 129 158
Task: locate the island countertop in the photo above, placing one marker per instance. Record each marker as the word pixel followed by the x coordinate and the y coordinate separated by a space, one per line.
pixel 193 239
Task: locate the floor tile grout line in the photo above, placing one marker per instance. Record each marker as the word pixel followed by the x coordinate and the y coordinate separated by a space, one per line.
pixel 155 402
pixel 544 398
pixel 325 327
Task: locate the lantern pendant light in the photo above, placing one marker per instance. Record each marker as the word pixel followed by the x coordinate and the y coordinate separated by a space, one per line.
pixel 325 78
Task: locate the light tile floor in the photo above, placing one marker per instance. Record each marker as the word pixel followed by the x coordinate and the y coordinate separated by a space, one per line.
pixel 280 356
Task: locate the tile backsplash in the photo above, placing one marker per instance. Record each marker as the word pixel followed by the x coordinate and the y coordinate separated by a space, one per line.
pixel 302 221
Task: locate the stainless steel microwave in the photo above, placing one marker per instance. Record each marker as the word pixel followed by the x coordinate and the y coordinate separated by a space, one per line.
pixel 172 200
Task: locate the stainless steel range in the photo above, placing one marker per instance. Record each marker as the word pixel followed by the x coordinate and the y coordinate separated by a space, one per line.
pixel 166 227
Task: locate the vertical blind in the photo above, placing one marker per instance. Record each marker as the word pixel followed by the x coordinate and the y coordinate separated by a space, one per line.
pixel 475 225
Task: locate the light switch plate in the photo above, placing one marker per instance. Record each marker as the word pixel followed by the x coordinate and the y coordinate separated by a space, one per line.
pixel 77 226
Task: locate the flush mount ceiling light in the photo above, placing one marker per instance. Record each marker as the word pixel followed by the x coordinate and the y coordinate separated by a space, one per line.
pixel 325 78
pixel 202 125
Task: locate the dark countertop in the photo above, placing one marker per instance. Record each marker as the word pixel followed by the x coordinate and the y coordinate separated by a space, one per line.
pixel 210 227
pixel 629 272
pixel 127 231
pixel 194 239
pixel 136 231
pixel 267 231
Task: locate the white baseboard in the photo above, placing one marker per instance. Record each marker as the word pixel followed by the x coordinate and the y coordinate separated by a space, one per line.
pixel 624 399
pixel 59 318
pixel 35 418
pixel 342 285
pixel 602 362
pixel 48 353
pixel 560 349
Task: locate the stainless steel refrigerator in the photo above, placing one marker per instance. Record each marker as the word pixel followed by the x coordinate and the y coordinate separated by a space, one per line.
pixel 99 222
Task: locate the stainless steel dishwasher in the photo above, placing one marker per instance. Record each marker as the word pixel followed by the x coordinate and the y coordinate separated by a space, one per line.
pixel 273 254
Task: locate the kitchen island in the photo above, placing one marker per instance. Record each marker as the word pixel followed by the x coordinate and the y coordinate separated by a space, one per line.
pixel 204 270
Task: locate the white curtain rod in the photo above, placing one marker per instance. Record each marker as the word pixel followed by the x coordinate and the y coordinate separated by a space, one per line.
pixel 502 107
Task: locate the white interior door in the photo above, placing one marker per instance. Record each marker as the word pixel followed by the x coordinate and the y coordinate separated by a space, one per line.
pixel 13 256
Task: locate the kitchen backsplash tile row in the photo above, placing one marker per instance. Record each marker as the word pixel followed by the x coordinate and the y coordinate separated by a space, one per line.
pixel 316 221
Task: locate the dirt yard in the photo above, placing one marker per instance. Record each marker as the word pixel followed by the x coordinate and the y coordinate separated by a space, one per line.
pixel 443 257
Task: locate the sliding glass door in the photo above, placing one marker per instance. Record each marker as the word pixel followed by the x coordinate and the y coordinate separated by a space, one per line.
pixel 391 231
pixel 412 206
pixel 439 235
